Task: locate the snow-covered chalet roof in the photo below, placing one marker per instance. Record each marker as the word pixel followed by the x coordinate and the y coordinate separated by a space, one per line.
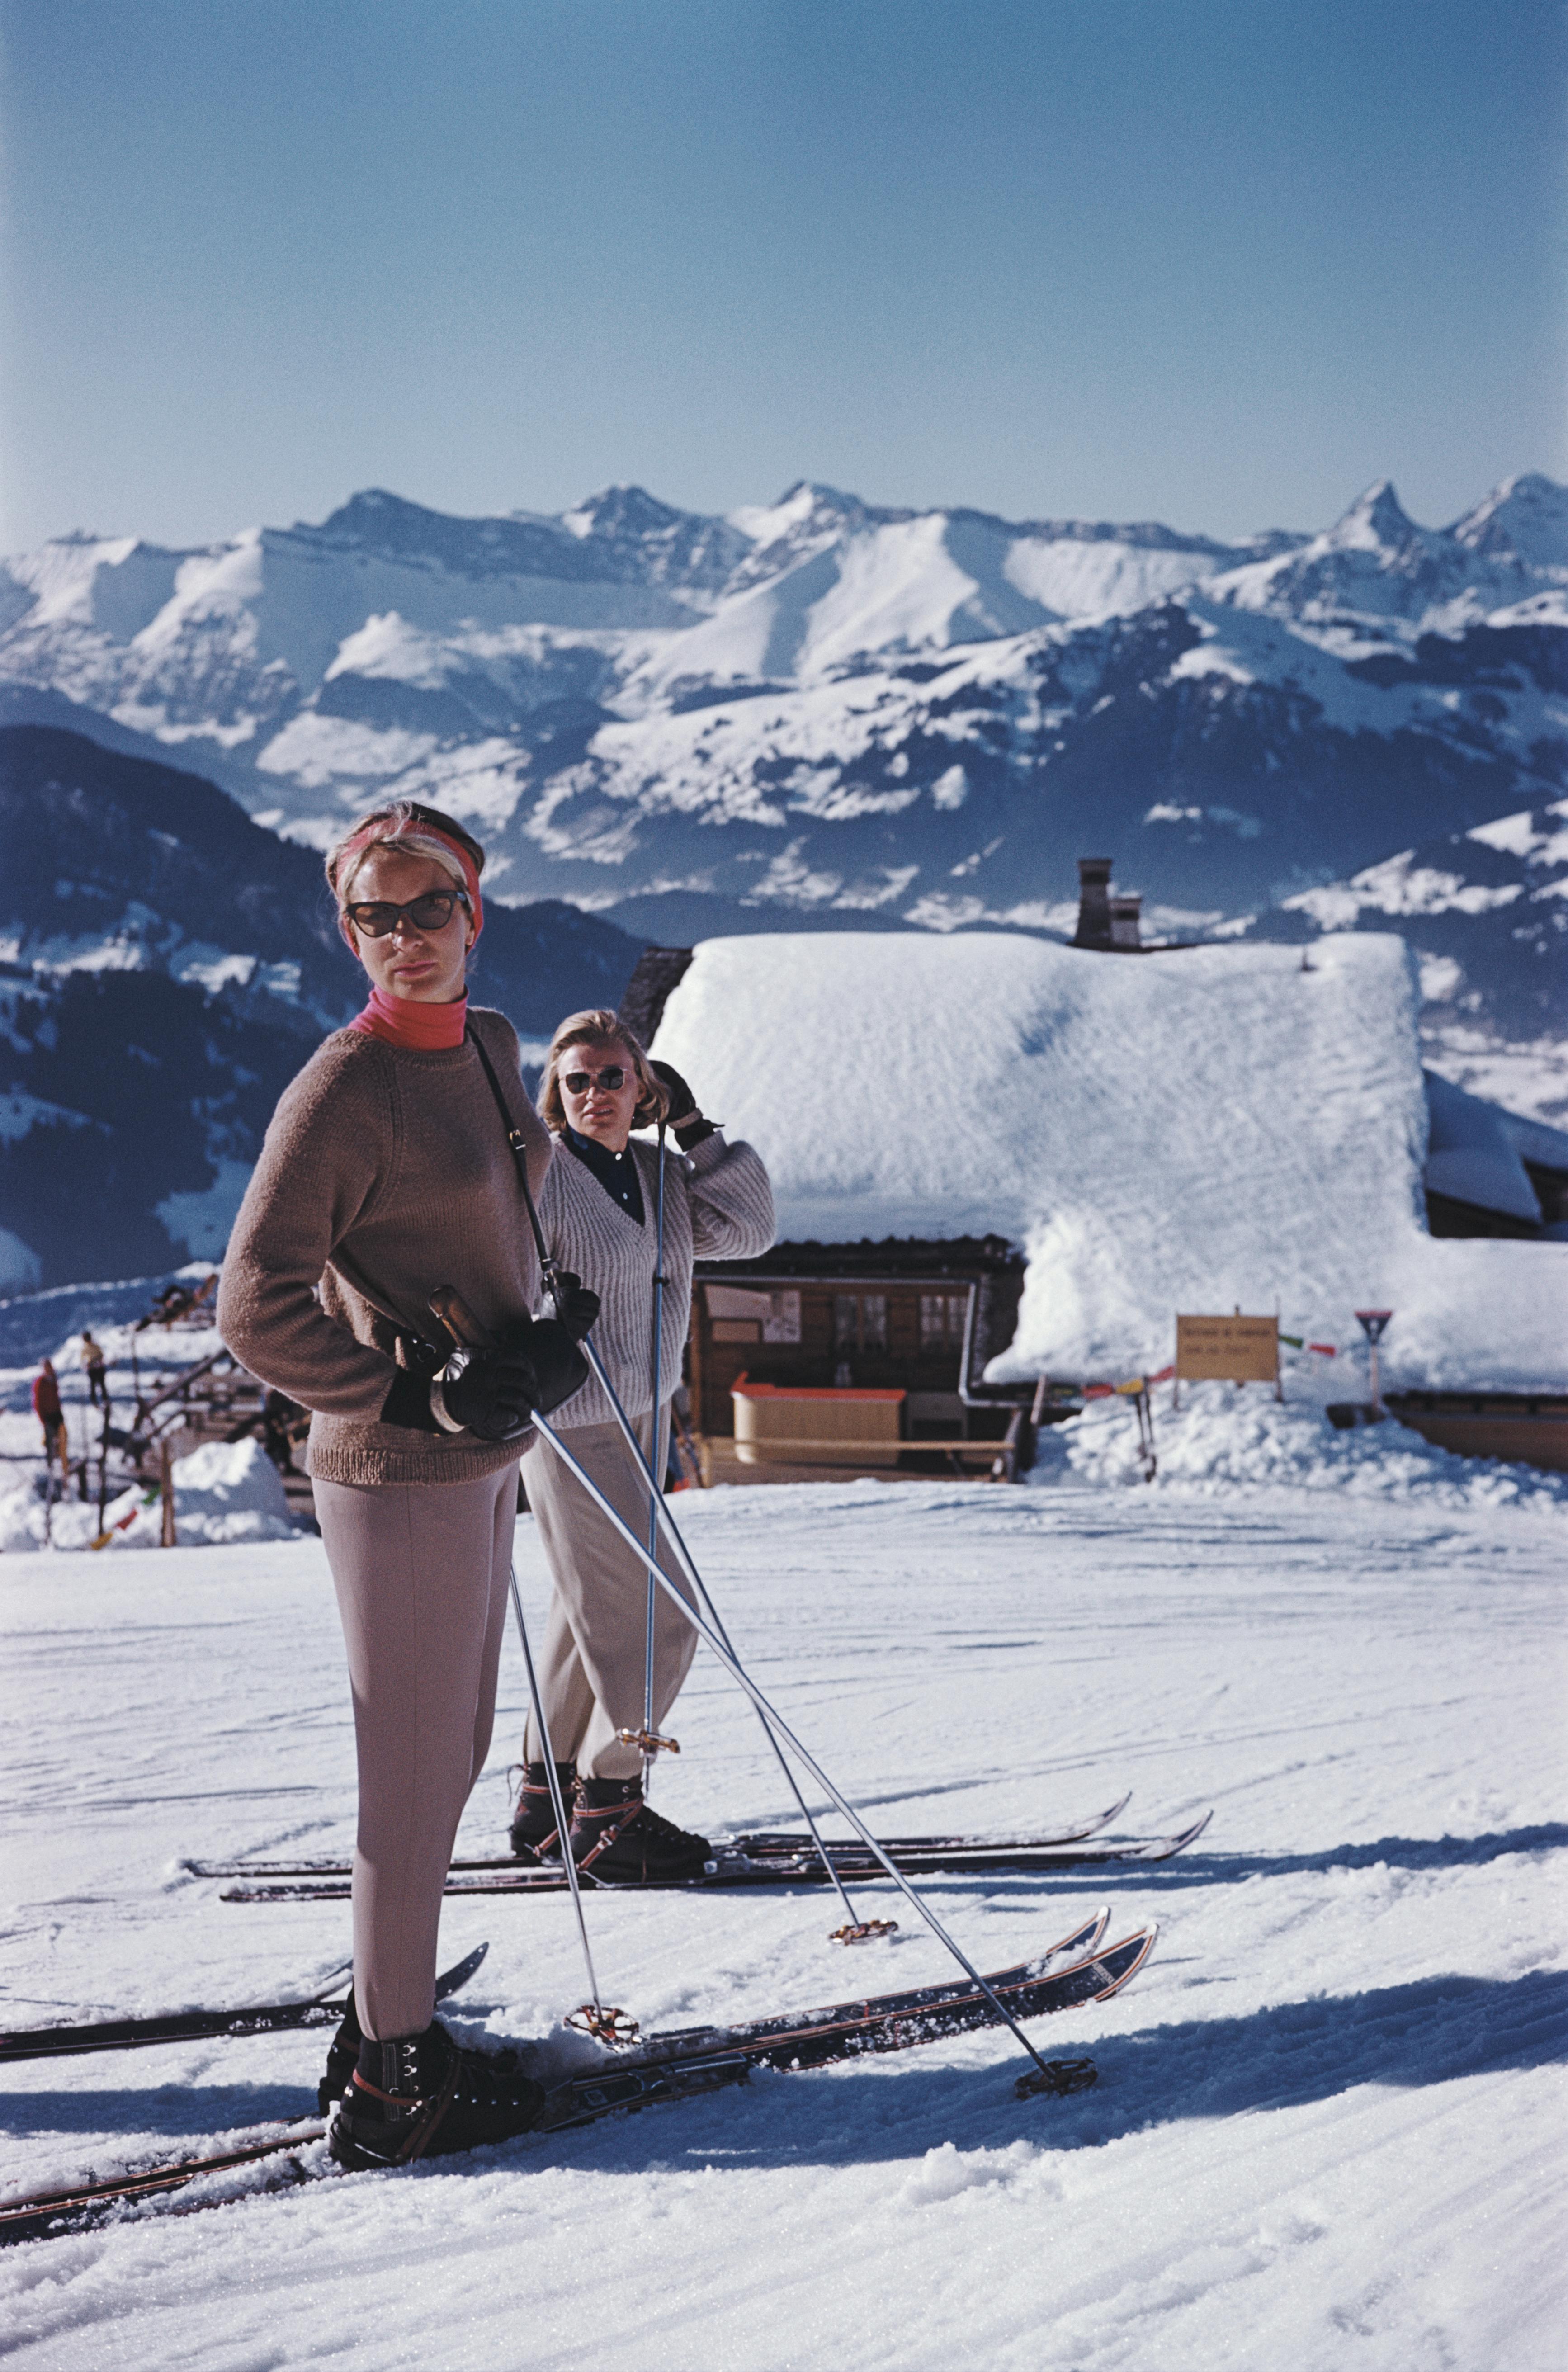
pixel 1188 1130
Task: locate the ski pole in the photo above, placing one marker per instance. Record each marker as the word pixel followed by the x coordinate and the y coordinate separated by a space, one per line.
pixel 605 2026
pixel 856 1930
pixel 1043 2081
pixel 464 1329
pixel 656 1482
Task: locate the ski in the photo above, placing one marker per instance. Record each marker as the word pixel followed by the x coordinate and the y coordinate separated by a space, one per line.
pixel 677 2065
pixel 193 2025
pixel 758 1845
pixel 731 1869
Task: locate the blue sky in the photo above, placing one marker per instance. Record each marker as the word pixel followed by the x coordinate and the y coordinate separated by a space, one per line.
pixel 1215 261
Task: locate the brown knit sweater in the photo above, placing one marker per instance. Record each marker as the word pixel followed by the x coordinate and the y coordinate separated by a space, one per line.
pixel 387 1170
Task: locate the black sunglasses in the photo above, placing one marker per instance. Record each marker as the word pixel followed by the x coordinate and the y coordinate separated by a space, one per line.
pixel 577 1083
pixel 432 911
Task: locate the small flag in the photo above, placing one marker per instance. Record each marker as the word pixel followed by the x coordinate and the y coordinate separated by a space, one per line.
pixel 121 1522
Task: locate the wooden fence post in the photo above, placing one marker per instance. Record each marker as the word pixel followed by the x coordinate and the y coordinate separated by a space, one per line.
pixel 166 1476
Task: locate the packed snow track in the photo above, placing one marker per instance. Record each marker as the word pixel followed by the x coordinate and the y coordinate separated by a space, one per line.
pixel 1327 2108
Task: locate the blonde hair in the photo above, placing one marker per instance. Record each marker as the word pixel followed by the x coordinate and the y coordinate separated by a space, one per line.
pixel 397 825
pixel 598 1026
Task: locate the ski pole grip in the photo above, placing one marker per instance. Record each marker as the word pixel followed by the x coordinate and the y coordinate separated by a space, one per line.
pixel 458 1319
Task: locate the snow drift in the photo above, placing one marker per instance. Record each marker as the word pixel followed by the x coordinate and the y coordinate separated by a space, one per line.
pixel 224 1492
pixel 1214 1127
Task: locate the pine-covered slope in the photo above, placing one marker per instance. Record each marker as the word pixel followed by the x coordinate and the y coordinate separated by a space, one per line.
pixel 168 966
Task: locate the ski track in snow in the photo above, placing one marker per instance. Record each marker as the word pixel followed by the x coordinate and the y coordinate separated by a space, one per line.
pixel 1327 2108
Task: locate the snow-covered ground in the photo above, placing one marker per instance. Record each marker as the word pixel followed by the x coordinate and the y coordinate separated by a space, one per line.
pixel 1328 2110
pixel 224 1491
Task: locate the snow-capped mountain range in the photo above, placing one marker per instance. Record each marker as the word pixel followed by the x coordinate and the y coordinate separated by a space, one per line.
pixel 819 708
pixel 819 711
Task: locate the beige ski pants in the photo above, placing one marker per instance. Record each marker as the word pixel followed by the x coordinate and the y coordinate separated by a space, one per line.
pixel 420 1572
pixel 591 1669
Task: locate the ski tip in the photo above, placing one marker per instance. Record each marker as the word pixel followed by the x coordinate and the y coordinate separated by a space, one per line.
pixel 1144 1937
pixel 1185 1837
pixel 456 1977
pixel 1162 1848
pixel 329 1987
pixel 1091 1934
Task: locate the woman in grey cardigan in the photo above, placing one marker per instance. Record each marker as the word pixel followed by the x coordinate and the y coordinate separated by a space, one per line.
pixel 597 1207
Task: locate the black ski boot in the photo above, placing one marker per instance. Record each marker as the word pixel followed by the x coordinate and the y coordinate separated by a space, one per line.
pixel 342 2058
pixel 422 2096
pixel 620 1840
pixel 534 1835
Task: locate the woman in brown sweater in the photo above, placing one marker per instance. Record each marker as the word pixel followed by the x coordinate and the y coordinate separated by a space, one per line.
pixel 386 1174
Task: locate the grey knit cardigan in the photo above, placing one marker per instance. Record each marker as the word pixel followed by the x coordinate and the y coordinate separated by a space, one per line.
pixel 717 1205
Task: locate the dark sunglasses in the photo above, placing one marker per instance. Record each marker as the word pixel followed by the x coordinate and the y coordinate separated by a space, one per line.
pixel 432 911
pixel 577 1083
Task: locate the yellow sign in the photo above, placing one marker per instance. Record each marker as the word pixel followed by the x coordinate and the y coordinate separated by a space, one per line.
pixel 1232 1350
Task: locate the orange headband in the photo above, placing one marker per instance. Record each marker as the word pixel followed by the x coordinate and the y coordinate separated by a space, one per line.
pixel 377 835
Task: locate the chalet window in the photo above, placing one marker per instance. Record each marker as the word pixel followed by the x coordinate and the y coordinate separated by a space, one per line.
pixel 860 1321
pixel 942 1322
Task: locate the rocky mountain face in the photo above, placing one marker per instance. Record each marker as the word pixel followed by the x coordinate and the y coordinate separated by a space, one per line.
pixel 166 967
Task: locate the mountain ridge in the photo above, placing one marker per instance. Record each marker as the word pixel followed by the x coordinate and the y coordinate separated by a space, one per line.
pixel 823 706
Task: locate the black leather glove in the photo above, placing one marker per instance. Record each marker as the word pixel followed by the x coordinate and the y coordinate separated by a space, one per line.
pixel 576 1303
pixel 682 1103
pixel 495 1395
pixel 557 1366
pixel 687 1122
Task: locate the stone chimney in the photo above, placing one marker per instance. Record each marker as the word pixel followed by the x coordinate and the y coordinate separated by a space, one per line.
pixel 1094 902
pixel 1126 927
pixel 659 972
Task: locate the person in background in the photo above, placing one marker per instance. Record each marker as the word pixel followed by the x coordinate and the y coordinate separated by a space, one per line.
pixel 93 1360
pixel 599 1210
pixel 388 1172
pixel 50 1415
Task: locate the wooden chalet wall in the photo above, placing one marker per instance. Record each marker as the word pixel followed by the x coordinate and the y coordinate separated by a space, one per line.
pixel 900 1313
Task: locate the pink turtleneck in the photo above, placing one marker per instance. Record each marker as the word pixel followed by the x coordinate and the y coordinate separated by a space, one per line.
pixel 402 1021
